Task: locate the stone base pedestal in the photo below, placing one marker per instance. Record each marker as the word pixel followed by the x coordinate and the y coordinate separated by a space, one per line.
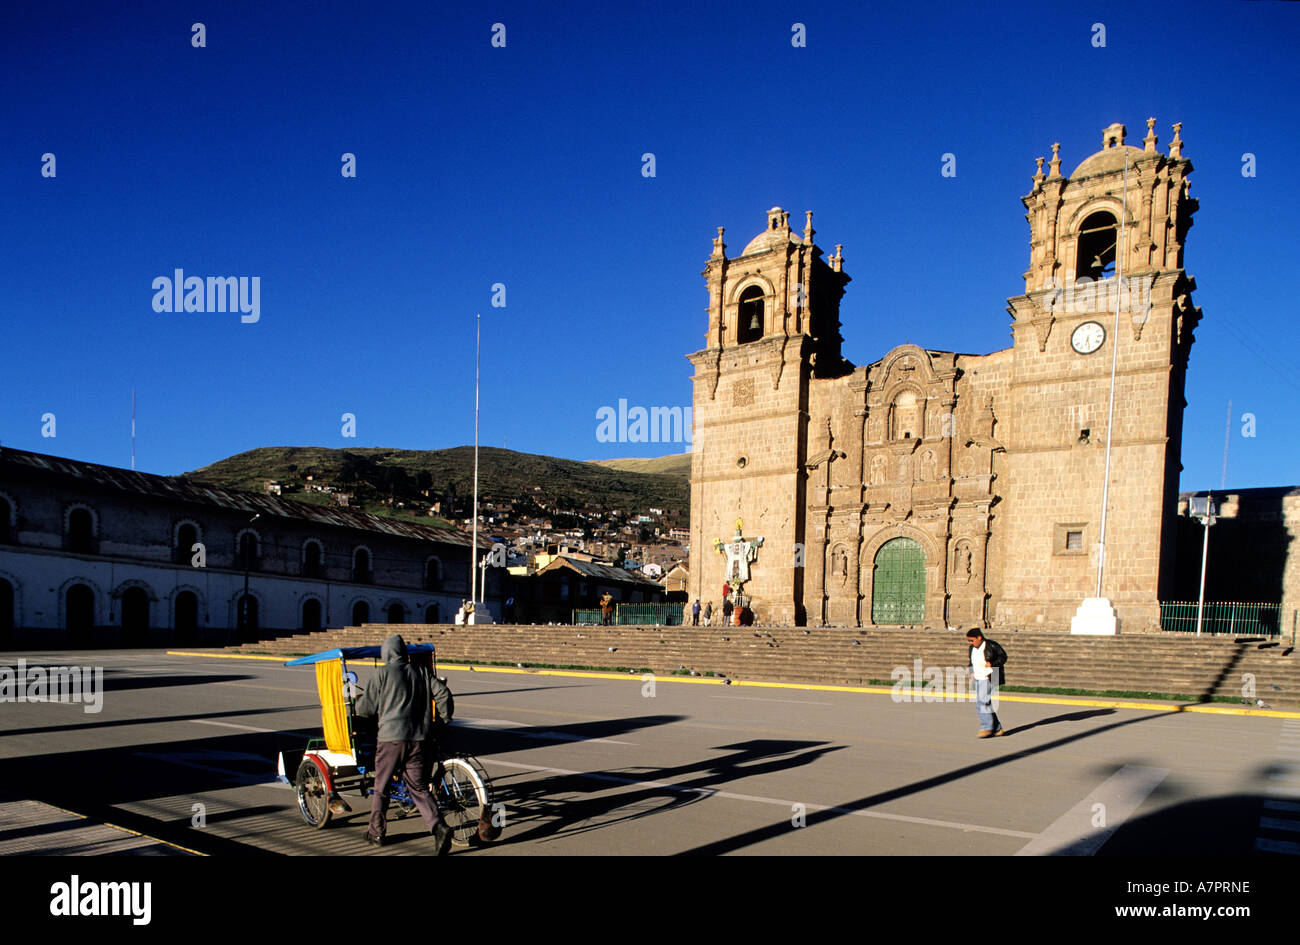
pixel 1095 617
pixel 480 614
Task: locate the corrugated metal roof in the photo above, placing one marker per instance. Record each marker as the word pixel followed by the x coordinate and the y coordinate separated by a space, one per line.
pixel 594 569
pixel 179 489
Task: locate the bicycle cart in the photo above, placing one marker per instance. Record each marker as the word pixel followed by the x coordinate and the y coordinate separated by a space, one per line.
pixel 342 761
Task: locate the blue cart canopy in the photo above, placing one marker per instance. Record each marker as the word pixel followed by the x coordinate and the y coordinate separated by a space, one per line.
pixel 356 653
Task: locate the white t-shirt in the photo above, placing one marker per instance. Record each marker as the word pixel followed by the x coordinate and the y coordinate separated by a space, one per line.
pixel 977 661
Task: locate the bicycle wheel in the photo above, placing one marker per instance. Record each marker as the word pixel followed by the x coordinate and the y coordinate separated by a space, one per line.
pixel 313 797
pixel 462 795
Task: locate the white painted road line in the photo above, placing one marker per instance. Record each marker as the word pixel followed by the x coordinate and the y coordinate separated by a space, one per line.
pixel 757 699
pixel 1088 824
pixel 757 799
pixel 246 728
pixel 525 731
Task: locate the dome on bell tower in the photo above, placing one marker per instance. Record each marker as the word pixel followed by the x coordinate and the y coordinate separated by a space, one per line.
pixel 1111 156
pixel 777 233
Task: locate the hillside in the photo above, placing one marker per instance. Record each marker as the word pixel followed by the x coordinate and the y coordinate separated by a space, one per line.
pixel 380 478
pixel 677 465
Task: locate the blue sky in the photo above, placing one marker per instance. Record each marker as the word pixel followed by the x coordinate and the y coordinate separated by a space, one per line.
pixel 522 165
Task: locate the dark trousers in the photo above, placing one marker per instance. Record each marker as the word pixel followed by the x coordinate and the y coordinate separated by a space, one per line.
pixel 407 759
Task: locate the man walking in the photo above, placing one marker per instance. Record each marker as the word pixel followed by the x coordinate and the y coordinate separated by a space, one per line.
pixel 607 609
pixel 708 613
pixel 987 660
pixel 400 697
pixel 695 613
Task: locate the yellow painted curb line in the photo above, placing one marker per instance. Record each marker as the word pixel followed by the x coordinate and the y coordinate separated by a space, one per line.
pixel 224 656
pixel 1202 708
pixel 135 833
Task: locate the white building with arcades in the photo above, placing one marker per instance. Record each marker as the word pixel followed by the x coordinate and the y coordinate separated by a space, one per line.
pixel 94 556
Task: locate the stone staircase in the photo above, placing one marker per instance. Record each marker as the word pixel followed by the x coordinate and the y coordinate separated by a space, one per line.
pixel 1171 664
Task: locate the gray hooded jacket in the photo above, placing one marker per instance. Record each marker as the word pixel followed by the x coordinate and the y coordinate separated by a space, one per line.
pixel 399 696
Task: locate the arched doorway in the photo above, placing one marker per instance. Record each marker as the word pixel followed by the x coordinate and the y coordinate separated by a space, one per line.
pixel 898 585
pixel 310 615
pixel 396 613
pixel 360 613
pixel 135 617
pixel 79 614
pixel 187 618
pixel 431 614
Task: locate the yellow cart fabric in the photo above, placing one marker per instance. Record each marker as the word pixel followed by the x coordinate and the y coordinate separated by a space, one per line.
pixel 333 707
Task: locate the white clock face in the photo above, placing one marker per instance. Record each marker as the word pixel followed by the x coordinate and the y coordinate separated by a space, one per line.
pixel 1088 337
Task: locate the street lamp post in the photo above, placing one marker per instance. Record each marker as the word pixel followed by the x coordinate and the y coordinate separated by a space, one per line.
pixel 1202 508
pixel 243 604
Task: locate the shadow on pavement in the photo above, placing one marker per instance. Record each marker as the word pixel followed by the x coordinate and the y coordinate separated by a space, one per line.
pixel 1067 717
pixel 658 789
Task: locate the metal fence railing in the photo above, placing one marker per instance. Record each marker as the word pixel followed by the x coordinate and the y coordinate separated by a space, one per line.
pixel 1231 617
pixel 664 615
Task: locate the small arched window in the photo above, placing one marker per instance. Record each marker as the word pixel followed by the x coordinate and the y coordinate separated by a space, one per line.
pixel 432 575
pixel 750 311
pixel 81 531
pixel 311 559
pixel 361 566
pixel 1098 239
pixel 187 536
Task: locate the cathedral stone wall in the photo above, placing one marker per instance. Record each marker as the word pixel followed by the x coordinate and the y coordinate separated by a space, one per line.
pixel 935 488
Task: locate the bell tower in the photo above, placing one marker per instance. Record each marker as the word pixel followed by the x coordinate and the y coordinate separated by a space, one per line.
pixel 773 326
pixel 1107 306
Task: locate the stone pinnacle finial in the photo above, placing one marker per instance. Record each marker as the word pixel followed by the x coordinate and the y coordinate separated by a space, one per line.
pixel 1150 139
pixel 1056 160
pixel 1176 145
pixel 718 245
pixel 1038 174
pixel 808 230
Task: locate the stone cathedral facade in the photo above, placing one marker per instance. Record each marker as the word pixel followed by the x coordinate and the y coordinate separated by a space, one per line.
pixel 935 488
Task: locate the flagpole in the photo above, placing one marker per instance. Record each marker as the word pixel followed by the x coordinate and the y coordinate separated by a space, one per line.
pixel 473 553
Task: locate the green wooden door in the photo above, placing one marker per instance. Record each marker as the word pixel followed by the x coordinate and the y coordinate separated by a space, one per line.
pixel 898 589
